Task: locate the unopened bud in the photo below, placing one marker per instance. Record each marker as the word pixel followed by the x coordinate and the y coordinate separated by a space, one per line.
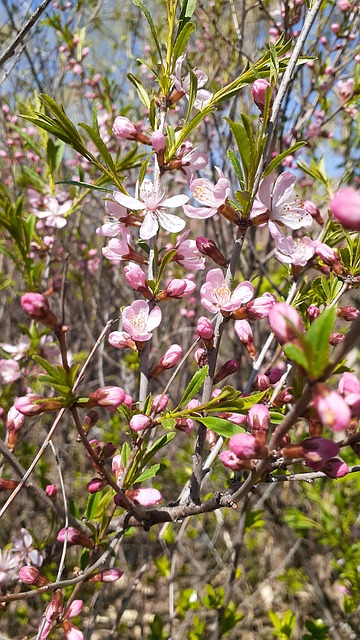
pixel 140 422
pixel 170 358
pixel 74 537
pixel 38 308
pixel 348 313
pixel 208 248
pixel 31 575
pixel 109 575
pixel 229 367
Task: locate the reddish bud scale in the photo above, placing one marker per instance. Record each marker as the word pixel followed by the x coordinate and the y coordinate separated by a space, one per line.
pixel 208 247
pixel 229 367
pixel 8 485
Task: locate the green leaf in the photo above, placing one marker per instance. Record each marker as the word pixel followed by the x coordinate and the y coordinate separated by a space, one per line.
pixel 276 161
pixel 149 19
pixel 181 41
pixel 192 94
pixel 150 473
pixel 297 355
pixel 125 453
pixel 142 93
pixel 245 144
pixel 100 145
pixel 316 342
pixel 236 166
pixel 83 185
pixel 194 385
pixel 222 427
pixel 49 368
pixel 165 260
pixel 55 152
pixel 168 423
pixel 159 444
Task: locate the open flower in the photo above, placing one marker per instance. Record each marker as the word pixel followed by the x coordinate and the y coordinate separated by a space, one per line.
pixel 139 321
pixel 212 196
pixel 279 203
pixel 112 226
pixel 153 205
pixel 290 251
pixel 182 85
pixel 215 293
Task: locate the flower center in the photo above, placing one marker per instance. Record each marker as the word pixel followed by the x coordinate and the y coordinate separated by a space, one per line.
pixel 221 294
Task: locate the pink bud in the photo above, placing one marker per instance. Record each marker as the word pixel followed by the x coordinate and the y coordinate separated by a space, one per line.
pixel 262 382
pixel 260 89
pixel 144 497
pixel 311 208
pixel 124 128
pixel 260 307
pixel 31 575
pixel 335 27
pixel 259 419
pixel 135 277
pixel 312 312
pixel 348 313
pixel 211 438
pixel 208 248
pixel 344 5
pixel 204 328
pixel 27 405
pixel 121 339
pixel 230 460
pixel 201 357
pixel 245 335
pixel 335 468
pixel 317 451
pixel 236 418
pixel 109 575
pixel 285 322
pixel 246 447
pixel 117 467
pixel 229 367
pixel 96 484
pixel 37 307
pixel 348 384
pixel 108 397
pixel 74 537
pixel 51 490
pixel 158 142
pixel 170 358
pixel 186 425
pixel 345 207
pixel 140 422
pixel 332 409
pixel 14 422
pixel 159 403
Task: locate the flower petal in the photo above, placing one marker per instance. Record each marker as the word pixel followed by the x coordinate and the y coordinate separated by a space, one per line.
pixel 128 201
pixel 170 222
pixel 175 201
pixel 149 227
pixel 199 213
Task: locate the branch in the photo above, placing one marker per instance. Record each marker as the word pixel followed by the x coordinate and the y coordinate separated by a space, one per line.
pixel 10 51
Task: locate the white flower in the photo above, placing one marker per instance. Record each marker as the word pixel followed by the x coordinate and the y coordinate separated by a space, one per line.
pixel 23 546
pixel 203 96
pixel 8 564
pixel 153 205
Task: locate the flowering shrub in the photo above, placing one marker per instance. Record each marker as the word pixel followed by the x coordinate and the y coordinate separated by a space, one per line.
pixel 130 417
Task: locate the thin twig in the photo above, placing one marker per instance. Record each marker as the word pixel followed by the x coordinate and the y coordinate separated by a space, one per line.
pixel 10 51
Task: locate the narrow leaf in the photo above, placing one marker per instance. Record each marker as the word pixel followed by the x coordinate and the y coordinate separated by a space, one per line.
pixel 276 161
pixel 222 427
pixel 194 385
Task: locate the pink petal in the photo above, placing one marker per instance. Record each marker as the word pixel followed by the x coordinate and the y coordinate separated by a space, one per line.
pixel 283 189
pixel 74 609
pixel 175 201
pixel 264 193
pixel 128 201
pixel 154 319
pixel 199 213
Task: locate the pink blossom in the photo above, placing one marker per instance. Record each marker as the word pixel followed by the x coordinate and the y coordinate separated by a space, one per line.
pixel 74 537
pixel 260 89
pixel 23 546
pixel 326 253
pixel 182 84
pixel 139 321
pixel 17 350
pixel 211 196
pixel 31 575
pixel 285 322
pixel 236 418
pixel 259 418
pixel 189 160
pixel 8 565
pixel 187 254
pixel 260 307
pixel 345 207
pixel 36 305
pixel 135 277
pixel 297 252
pixel 113 226
pixel 243 331
pixel 144 497
pixel 246 447
pixel 159 403
pixel 124 128
pixel 9 371
pixel 344 5
pixel 230 460
pixel 332 410
pixel 204 328
pixel 345 87
pixel 108 575
pixel 158 142
pixel 153 205
pixel 51 490
pixel 278 201
pixel 121 340
pixel 54 212
pixel 349 387
pixel 118 249
pixel 14 419
pixel 108 397
pixel 140 422
pixel 216 295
